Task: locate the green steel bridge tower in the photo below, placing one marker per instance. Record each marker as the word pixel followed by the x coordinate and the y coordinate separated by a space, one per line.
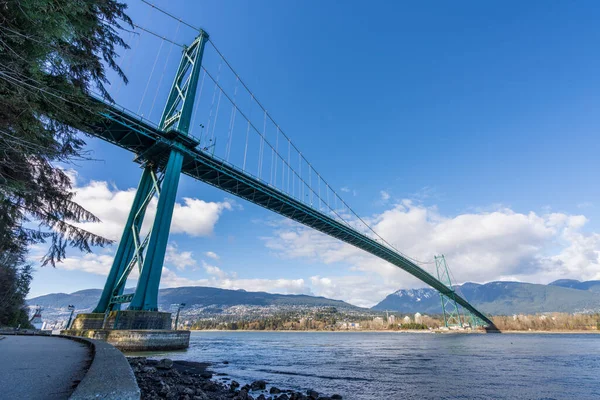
pixel 175 122
pixel 452 317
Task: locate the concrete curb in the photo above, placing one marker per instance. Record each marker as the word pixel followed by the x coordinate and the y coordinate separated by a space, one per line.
pixel 109 377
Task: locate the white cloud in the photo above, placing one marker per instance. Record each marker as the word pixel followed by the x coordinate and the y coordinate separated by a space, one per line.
pixel 197 217
pixel 217 272
pixel 385 196
pixel 194 217
pixel 346 189
pixel 212 255
pixel 93 263
pixel 479 247
pixel 181 260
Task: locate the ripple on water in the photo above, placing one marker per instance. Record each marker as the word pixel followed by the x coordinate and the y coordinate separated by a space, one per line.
pixel 408 366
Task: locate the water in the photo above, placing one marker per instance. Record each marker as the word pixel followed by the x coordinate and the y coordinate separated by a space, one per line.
pixel 378 365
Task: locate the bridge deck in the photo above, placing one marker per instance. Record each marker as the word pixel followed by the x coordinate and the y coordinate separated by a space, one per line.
pixel 150 143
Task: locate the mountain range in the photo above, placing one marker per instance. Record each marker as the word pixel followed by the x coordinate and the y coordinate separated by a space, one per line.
pixel 200 301
pixel 497 298
pixel 504 298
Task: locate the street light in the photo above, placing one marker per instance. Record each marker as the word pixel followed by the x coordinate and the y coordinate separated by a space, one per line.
pixel 179 307
pixel 72 309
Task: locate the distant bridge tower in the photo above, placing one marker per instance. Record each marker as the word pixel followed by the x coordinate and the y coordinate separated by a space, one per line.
pixel 452 317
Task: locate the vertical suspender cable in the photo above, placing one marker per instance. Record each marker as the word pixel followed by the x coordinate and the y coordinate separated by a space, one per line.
pixel 262 145
pixel 212 136
pixel 232 121
pixel 289 167
pixel 246 148
pixel 247 133
pixel 163 72
pixel 212 104
pixel 126 67
pixel 276 152
pixel 197 101
pixel 151 74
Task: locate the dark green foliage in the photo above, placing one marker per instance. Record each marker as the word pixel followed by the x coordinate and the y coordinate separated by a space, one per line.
pixel 52 53
pixel 15 277
pixel 413 325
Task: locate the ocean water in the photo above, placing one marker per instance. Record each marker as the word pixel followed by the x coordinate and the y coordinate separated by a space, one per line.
pixel 374 365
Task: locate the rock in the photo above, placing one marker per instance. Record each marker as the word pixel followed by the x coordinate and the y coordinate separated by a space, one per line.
pixel 165 363
pixel 261 397
pixel 225 362
pixel 200 395
pixel 258 385
pixel 148 370
pixel 210 387
pixel 312 394
pixel 206 375
pixel 234 385
pixel 242 395
pixel 336 397
pixel 189 391
pixel 283 397
pixel 324 398
pixel 274 390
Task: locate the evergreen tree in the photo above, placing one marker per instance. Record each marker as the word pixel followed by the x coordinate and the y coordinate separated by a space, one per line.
pixel 53 53
pixel 15 277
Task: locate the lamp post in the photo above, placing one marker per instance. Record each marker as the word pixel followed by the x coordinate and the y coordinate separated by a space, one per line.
pixel 179 307
pixel 72 309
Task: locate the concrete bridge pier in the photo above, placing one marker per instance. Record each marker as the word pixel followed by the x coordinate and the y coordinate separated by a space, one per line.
pixel 131 330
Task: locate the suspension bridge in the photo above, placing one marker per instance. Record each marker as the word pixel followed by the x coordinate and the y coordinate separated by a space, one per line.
pixel 213 129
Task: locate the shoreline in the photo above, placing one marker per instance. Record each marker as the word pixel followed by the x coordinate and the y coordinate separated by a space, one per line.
pixel 192 380
pixel 420 331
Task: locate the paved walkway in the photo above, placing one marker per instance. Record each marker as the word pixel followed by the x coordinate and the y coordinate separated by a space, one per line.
pixel 41 367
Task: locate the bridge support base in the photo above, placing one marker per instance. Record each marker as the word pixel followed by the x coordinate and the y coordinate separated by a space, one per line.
pixel 131 330
pixel 132 340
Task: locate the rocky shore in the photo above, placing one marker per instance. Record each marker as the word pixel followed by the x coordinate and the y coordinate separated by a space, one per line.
pixel 187 380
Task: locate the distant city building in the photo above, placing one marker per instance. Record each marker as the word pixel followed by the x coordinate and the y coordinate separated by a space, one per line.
pixel 391 319
pixel 406 320
pixel 418 318
pixel 378 321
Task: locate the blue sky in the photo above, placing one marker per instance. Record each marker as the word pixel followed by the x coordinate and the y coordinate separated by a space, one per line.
pixel 464 128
